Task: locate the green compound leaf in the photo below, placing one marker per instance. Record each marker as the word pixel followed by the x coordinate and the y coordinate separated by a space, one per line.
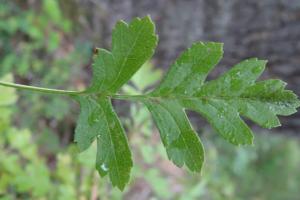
pixel 222 101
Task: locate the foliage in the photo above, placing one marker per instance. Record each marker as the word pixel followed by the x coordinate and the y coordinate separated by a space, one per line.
pixel 26 174
pixel 37 28
pixel 266 171
pixel 19 149
pixel 220 101
pixel 34 43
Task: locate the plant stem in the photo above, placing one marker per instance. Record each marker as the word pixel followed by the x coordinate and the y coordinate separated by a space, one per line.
pixel 128 97
pixel 112 96
pixel 39 89
pixel 68 92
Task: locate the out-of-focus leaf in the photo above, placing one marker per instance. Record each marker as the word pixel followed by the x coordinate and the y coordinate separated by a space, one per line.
pixel 7 95
pixel 146 76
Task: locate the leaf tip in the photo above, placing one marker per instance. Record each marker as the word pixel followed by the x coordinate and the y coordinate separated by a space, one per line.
pixel 148 17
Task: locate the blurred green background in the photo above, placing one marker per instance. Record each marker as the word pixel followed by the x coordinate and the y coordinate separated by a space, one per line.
pixel 43 44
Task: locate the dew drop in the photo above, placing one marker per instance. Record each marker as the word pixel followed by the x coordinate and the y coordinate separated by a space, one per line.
pixel 104 167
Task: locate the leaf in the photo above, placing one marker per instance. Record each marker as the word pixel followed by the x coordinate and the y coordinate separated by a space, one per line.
pixel 180 140
pixel 8 95
pixel 99 121
pixel 222 102
pixel 132 45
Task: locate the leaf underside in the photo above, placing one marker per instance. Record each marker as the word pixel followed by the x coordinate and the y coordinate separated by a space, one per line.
pixel 221 101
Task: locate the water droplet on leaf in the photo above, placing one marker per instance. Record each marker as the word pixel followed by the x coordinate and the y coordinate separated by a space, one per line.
pixel 104 167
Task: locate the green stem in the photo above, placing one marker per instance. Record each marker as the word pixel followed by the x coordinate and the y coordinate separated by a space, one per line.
pixel 128 97
pixel 39 89
pixel 65 92
pixel 68 92
pixel 112 96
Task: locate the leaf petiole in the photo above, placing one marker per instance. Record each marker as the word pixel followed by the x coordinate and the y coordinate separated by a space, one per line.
pixel 66 92
pixel 39 89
